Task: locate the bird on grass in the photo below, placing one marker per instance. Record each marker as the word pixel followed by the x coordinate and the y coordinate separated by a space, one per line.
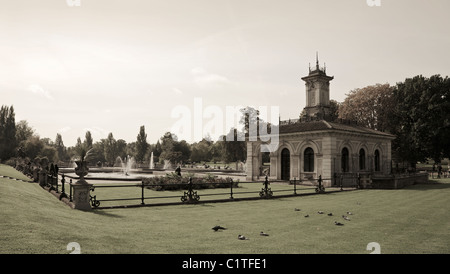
pixel 349 213
pixel 297 209
pixel 242 237
pixel 263 234
pixel 346 218
pixel 320 212
pixel 307 215
pixel 330 214
pixel 337 223
pixel 218 227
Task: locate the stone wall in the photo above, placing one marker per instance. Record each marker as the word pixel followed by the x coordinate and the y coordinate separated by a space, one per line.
pixel 398 181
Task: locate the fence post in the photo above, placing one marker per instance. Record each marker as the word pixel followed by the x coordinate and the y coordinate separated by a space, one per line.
pixel 70 194
pixel 56 182
pixel 231 189
pixel 142 193
pixel 63 190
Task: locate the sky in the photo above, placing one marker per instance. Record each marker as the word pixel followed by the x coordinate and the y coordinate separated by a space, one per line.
pixel 112 66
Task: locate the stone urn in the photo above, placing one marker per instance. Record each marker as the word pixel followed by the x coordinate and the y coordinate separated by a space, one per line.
pixel 82 170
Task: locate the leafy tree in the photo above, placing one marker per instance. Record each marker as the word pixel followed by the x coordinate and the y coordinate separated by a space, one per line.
pixel 173 150
pixel 8 142
pixel 23 132
pixel 33 146
pixel 233 150
pixel 201 151
pixel 88 140
pixel 110 149
pixel 370 106
pixel 60 148
pixel 141 145
pixel 121 149
pixel 422 119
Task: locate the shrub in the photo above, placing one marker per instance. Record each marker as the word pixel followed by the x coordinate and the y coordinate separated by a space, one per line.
pixel 175 182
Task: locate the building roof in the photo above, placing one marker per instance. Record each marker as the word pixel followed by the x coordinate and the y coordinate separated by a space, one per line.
pixel 319 125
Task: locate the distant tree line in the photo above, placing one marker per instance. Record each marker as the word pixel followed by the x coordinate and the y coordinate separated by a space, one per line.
pixel 20 140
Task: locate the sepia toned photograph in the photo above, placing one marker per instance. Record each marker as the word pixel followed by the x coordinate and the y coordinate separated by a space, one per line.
pixel 222 133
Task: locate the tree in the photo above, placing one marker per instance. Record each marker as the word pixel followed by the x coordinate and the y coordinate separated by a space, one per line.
pixel 88 140
pixel 201 151
pixel 422 119
pixel 110 149
pixel 60 148
pixel 234 150
pixel 370 106
pixel 23 132
pixel 8 142
pixel 33 146
pixel 141 145
pixel 172 150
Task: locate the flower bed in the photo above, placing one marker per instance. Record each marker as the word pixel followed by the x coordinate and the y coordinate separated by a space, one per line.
pixel 175 182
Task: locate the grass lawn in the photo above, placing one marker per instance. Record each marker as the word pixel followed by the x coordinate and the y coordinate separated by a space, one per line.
pixel 411 220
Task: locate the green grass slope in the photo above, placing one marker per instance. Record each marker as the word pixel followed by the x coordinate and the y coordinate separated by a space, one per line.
pixel 410 220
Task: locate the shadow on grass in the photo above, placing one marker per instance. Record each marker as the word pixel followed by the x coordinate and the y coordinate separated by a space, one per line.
pixel 106 214
pixel 431 185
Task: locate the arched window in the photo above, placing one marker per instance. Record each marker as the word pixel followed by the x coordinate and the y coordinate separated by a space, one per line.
pixel 377 160
pixel 309 160
pixel 362 159
pixel 344 160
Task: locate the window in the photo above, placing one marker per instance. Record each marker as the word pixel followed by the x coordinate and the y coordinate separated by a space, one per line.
pixel 377 160
pixel 362 159
pixel 309 160
pixel 344 160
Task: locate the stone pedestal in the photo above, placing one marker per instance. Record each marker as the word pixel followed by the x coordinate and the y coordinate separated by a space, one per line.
pixel 80 195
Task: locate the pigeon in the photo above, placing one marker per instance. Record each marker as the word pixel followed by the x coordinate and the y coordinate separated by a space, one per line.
pixel 307 215
pixel 349 213
pixel 242 237
pixel 346 218
pixel 320 212
pixel 263 234
pixel 330 214
pixel 337 223
pixel 218 227
pixel 297 209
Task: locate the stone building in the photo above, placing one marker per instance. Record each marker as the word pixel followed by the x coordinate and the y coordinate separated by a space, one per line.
pixel 316 144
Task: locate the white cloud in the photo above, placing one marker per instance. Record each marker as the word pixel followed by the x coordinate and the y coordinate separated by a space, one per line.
pixel 204 79
pixel 37 89
pixel 64 129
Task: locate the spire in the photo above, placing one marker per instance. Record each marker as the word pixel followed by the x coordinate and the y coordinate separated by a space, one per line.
pixel 317 60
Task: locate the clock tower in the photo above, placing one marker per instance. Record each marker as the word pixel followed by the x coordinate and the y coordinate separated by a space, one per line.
pixel 317 92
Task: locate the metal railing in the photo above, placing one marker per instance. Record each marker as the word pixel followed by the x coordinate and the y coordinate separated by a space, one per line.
pixel 191 194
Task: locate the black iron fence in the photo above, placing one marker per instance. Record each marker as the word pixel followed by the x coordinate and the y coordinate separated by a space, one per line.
pixel 192 192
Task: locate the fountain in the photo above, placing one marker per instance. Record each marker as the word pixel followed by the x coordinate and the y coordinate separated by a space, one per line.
pixel 126 165
pixel 152 165
pixel 167 164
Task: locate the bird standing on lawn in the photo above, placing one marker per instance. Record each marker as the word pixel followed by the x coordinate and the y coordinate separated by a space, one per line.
pixel 337 223
pixel 242 237
pixel 263 234
pixel 218 227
